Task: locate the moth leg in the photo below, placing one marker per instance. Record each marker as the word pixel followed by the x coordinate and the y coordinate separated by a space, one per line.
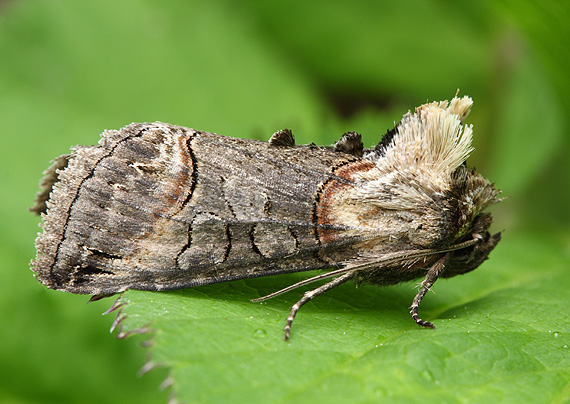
pixel 431 276
pixel 309 295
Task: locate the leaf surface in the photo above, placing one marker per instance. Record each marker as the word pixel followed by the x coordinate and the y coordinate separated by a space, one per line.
pixel 502 333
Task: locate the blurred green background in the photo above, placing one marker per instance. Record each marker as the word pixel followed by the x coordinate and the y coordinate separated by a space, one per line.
pixel 69 69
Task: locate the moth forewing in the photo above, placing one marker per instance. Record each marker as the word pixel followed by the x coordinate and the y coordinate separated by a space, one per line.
pixel 157 207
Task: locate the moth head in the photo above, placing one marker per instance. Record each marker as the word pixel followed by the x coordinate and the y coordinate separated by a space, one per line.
pixel 471 194
pixel 469 258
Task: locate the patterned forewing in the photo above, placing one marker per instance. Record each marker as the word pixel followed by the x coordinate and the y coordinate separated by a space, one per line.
pixel 157 206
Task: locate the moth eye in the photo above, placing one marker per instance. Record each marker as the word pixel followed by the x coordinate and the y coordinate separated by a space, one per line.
pixel 421 225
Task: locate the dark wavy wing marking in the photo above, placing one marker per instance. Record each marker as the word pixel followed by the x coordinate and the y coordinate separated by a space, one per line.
pixel 233 233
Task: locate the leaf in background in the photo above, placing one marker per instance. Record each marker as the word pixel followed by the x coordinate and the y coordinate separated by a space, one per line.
pixel 530 129
pixel 427 49
pixel 537 127
pixel 502 332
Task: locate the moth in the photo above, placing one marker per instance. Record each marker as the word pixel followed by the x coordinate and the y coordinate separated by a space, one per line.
pixel 156 207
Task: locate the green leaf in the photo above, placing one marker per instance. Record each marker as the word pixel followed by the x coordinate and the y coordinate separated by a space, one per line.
pixel 503 334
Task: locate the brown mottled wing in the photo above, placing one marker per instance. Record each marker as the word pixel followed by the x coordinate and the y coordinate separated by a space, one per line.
pixel 157 207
